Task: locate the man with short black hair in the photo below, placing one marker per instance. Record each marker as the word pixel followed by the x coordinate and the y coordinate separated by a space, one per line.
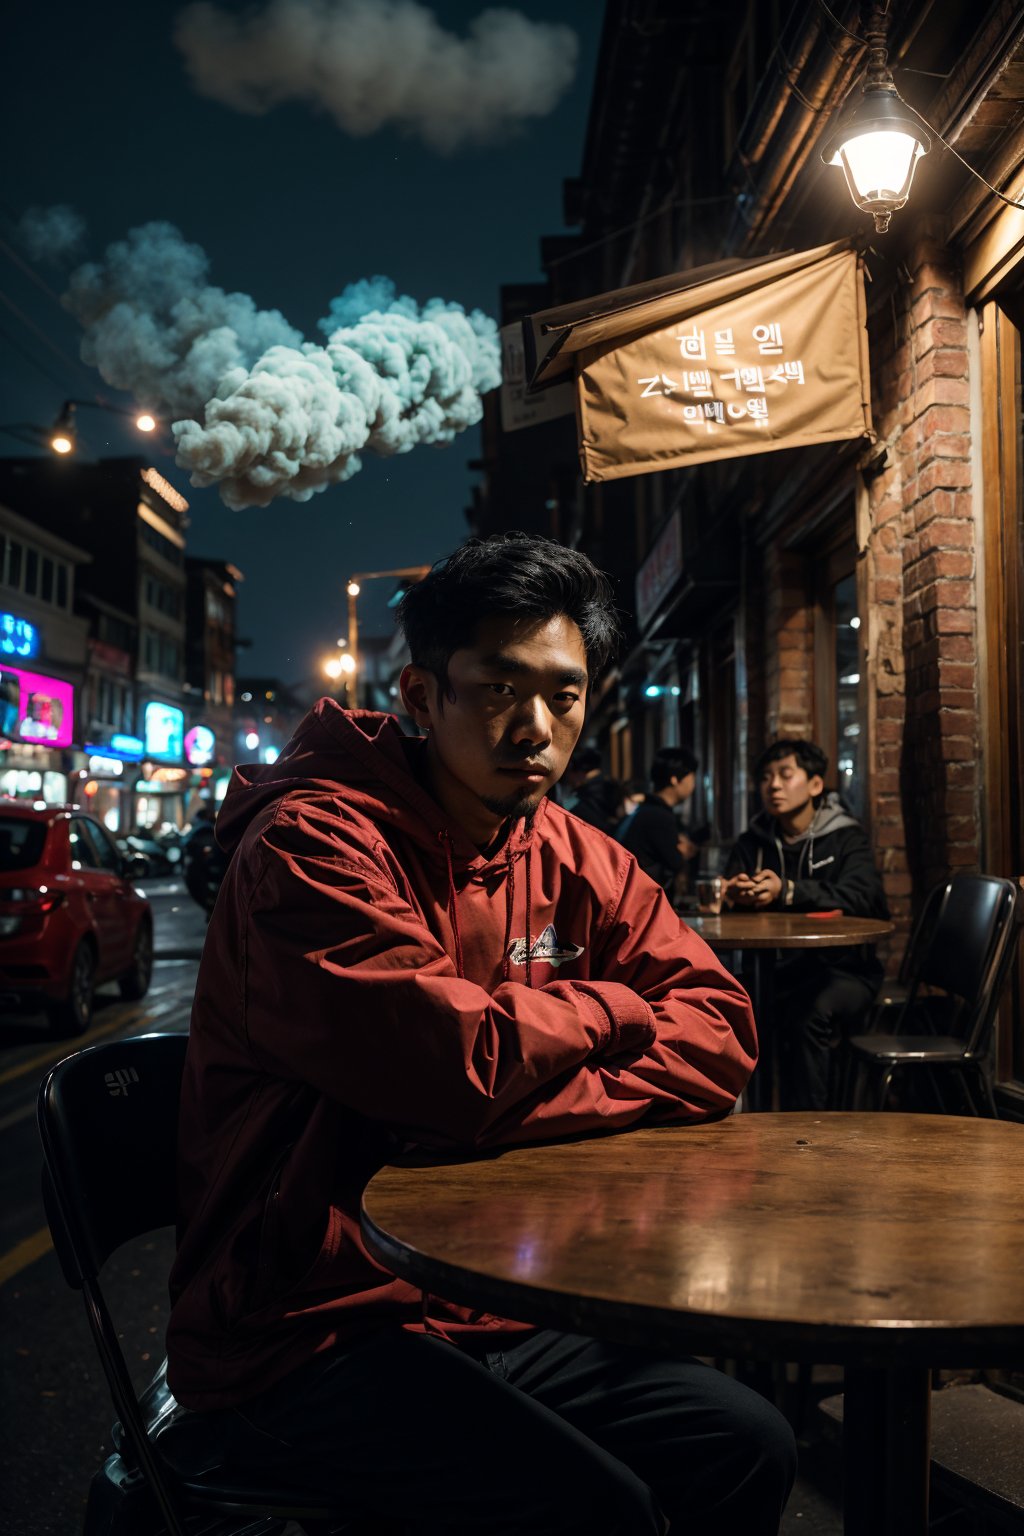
pixel 595 798
pixel 804 852
pixel 414 946
pixel 651 833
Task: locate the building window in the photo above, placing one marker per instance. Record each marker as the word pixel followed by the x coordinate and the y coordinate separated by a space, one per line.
pixel 851 737
pixel 14 565
pixel 63 586
pixel 31 571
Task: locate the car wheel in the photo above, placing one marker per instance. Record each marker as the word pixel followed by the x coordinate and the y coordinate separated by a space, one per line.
pixel 74 1015
pixel 135 981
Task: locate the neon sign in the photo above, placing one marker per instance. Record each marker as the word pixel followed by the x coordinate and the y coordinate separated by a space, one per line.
pixel 17 636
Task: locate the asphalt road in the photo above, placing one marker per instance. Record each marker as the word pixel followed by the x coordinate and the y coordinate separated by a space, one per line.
pixel 57 1411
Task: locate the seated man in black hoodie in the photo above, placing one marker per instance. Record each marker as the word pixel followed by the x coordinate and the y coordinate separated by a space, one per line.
pixel 805 853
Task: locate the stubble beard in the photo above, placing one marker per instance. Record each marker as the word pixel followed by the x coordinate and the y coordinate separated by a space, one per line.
pixel 514 805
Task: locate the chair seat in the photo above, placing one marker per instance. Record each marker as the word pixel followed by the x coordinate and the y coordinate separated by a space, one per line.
pixel 934 1048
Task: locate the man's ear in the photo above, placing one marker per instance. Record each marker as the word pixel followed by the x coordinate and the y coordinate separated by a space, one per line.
pixel 816 785
pixel 419 694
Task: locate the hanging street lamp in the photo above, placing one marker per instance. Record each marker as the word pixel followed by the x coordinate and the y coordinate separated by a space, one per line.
pixel 877 139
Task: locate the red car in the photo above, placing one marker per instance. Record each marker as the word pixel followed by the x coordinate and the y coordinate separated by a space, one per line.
pixel 70 916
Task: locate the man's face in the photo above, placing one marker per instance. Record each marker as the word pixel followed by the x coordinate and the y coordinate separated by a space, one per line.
pixel 786 788
pixel 684 787
pixel 515 714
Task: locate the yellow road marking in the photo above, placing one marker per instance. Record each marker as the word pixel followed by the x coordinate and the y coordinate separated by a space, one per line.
pixel 79 1042
pixel 24 1254
pixel 65 1048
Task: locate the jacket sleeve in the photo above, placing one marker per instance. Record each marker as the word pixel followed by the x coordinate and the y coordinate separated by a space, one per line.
pixel 345 988
pixel 705 1045
pixel 851 883
pixel 348 990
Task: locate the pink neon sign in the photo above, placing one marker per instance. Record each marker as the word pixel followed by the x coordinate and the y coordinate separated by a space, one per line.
pixel 35 708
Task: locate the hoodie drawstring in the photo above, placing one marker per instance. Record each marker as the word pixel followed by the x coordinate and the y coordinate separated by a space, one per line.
pixel 510 897
pixel 453 904
pixel 529 936
pixel 510 901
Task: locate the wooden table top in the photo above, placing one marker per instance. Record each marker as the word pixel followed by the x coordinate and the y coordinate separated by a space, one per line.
pixel 867 1238
pixel 787 930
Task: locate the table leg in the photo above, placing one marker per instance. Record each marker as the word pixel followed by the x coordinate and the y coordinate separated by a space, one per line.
pixel 886 1460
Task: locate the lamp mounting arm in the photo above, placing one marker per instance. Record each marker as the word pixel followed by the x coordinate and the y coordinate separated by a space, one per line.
pixel 876 34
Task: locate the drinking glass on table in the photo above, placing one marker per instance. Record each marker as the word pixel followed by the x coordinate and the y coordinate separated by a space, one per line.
pixel 710 889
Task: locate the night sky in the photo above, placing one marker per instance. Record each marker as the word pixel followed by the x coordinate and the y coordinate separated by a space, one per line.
pixel 99 113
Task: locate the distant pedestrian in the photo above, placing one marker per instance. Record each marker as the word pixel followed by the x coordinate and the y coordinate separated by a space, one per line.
pixel 651 832
pixel 204 861
pixel 597 799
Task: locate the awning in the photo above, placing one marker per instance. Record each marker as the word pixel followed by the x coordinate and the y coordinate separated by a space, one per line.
pixel 736 358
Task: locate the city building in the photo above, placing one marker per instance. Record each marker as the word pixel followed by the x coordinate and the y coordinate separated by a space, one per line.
pixel 211 595
pixel 865 592
pixel 43 678
pixel 131 521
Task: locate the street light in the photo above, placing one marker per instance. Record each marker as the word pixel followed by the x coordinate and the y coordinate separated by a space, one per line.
pixel 342 665
pixel 878 139
pixel 63 438
pixel 353 589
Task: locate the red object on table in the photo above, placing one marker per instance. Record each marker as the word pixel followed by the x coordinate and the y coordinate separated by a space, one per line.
pixel 832 912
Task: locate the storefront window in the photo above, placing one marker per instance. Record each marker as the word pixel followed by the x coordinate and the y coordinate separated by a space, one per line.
pixel 851 743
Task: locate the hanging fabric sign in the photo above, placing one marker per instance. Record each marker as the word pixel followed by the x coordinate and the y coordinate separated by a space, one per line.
pixel 770 355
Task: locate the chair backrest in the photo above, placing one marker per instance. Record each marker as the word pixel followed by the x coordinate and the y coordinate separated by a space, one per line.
pixel 108 1123
pixel 921 933
pixel 967 956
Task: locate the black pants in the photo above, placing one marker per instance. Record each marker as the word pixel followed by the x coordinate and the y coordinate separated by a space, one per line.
pixel 551 1434
pixel 815 1006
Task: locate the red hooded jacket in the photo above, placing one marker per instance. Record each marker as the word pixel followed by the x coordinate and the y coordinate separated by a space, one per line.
pixel 370 980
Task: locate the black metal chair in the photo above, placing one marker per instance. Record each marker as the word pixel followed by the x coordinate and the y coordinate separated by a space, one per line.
pixel 955 986
pixel 108 1119
pixel 892 995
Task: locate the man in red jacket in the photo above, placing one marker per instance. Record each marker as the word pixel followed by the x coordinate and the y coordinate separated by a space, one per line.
pixel 413 945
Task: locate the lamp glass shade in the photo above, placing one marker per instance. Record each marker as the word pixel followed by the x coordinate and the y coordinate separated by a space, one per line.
pixel 879 167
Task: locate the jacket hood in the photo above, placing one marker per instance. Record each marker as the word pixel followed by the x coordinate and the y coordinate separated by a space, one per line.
pixel 830 816
pixel 367 760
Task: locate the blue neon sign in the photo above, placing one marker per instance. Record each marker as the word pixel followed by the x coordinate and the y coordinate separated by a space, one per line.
pixel 17 636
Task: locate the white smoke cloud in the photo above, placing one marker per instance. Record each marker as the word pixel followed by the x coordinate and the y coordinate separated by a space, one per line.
pixel 381 63
pixel 392 376
pixel 267 413
pixel 155 326
pixel 51 234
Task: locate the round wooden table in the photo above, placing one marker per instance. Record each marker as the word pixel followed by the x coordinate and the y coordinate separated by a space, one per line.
pixel 787 930
pixel 888 1243
pixel 763 933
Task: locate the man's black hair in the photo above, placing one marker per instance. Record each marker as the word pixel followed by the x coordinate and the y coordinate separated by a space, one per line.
pixel 518 574
pixel 809 756
pixel 671 763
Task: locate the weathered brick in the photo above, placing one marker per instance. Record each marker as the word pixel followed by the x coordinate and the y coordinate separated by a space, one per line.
pixel 935 303
pixel 944 418
pixel 944 445
pixel 948 387
pixel 945 533
pixel 945 474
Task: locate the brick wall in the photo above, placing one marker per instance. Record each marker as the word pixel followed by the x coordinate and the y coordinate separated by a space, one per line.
pixel 789 645
pixel 919 576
